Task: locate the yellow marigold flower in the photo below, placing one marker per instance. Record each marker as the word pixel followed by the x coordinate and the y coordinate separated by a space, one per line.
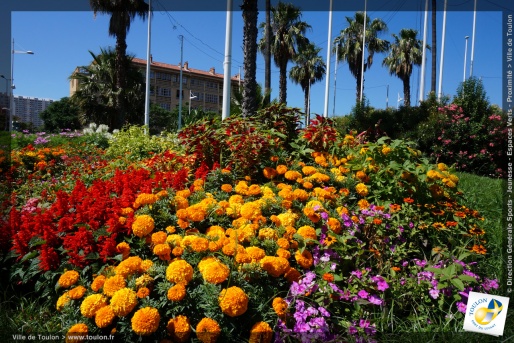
pixel 233 301
pixel 215 232
pixel 113 284
pixel 179 271
pixel 122 220
pixel 300 194
pixel 448 183
pixel 179 328
pixel 143 225
pixel 309 170
pixel 180 202
pixel 145 321
pixel 104 317
pixel 320 177
pixel 226 188
pixel 281 169
pixel 243 257
pixel 432 174
pixel 124 249
pixel 199 244
pixel 275 266
pixel 255 253
pixel 62 301
pixel 288 218
pixel 215 272
pixel 288 234
pixel 181 214
pixel 77 292
pixel 268 233
pixel 162 249
pixel 98 283
pixel 361 189
pixel 283 243
pixel 269 173
pixel 144 281
pixel 146 265
pixel 286 193
pixel 123 302
pixel 280 306
pixel 129 266
pixel 185 193
pixel 292 275
pixel 363 204
pixel 304 259
pixel 143 292
pixel 208 330
pixel 145 199
pixel 307 232
pixel 386 149
pixel 250 210
pixel 196 212
pixel 177 251
pixel 253 190
pixel 159 237
pixel 176 292
pixel 170 229
pixel 261 332
pixel 292 175
pixel 76 332
pixel 321 160
pixel 241 187
pixel 283 253
pixel 360 175
pixel 174 239
pixel 68 279
pixel 91 304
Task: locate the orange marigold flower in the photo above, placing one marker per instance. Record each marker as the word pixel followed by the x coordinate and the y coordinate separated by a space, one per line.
pixel 179 271
pixel 179 328
pixel 334 225
pixel 292 175
pixel 233 301
pixel 253 190
pixel 377 221
pixel 275 266
pixel 269 173
pixel 361 189
pixel 292 275
pixel 145 321
pixel 146 265
pixel 143 292
pixel 300 195
pixel 68 279
pixel 328 277
pixel 143 225
pixel 261 332
pixel 208 330
pixel 62 301
pixel 215 272
pixel 395 207
pixel 177 251
pixel 159 237
pixel 176 292
pixel 363 204
pixel 304 259
pixel 77 292
pixel 124 249
pixel 255 253
pixel 307 185
pixel 280 306
pixel 76 332
pixel 91 304
pixel 251 210
pixel 129 266
pixel 162 249
pixel 408 200
pixel 283 243
pixel 479 249
pixel 145 199
pixel 226 188
pixel 396 269
pixel 98 283
pixel 268 233
pixel 307 232
pixel 104 317
pixel 281 169
pixel 182 223
pixel 113 284
pixel 283 253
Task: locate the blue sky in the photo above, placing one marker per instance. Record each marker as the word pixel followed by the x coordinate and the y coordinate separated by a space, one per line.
pixel 61 40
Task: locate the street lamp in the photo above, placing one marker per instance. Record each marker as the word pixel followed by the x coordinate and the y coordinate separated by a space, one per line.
pixel 11 101
pixel 191 97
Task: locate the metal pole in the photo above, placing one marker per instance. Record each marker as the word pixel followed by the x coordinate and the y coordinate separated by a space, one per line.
pixel 11 97
pixel 465 55
pixel 423 62
pixel 329 54
pixel 335 82
pixel 225 112
pixel 473 40
pixel 147 89
pixel 440 90
pixel 387 97
pixel 180 81
pixel 363 50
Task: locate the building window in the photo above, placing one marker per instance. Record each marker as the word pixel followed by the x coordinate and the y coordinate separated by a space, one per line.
pixel 197 83
pixel 165 106
pixel 178 94
pixel 164 76
pixel 213 98
pixel 211 84
pixel 164 91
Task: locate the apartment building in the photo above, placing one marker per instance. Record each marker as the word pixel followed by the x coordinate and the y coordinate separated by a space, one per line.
pixel 200 89
pixel 26 109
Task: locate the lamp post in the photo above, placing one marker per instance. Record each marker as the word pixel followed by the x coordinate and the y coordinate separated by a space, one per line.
pixel 6 95
pixel 11 101
pixel 191 97
pixel 465 55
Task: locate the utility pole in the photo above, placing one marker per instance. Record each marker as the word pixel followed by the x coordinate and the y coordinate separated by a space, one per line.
pixel 180 81
pixel 225 112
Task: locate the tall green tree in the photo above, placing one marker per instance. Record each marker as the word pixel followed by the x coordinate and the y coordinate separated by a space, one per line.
pixel 405 52
pixel 122 13
pixel 60 115
pixel 309 69
pixel 97 91
pixel 350 44
pixel 250 31
pixel 288 34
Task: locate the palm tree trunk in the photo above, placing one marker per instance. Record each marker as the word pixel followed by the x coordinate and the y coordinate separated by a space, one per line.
pixel 121 50
pixel 267 56
pixel 406 91
pixel 306 104
pixel 250 31
pixel 282 94
pixel 434 46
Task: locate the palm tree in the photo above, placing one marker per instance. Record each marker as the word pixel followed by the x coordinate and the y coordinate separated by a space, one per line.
pixel 288 32
pixel 250 32
pixel 122 12
pixel 350 44
pixel 309 69
pixel 97 90
pixel 406 51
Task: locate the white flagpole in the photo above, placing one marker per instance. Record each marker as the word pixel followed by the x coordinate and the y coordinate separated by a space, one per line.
pixel 225 113
pixel 440 90
pixel 147 89
pixel 363 50
pixel 423 62
pixel 473 40
pixel 329 54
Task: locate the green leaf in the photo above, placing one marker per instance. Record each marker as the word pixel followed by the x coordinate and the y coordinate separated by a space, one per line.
pixel 467 278
pixel 458 283
pixel 28 256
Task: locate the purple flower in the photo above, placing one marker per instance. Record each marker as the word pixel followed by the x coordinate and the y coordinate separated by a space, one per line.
pixel 461 307
pixel 357 273
pixel 363 294
pixel 488 284
pixel 324 312
pixel 324 215
pixel 434 293
pixel 382 286
pixel 375 300
pixel 352 330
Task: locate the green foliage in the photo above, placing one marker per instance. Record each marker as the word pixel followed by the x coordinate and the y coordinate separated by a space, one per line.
pixel 60 115
pixel 473 100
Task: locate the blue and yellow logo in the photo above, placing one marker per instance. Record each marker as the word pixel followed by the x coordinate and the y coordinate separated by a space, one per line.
pixel 485 315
